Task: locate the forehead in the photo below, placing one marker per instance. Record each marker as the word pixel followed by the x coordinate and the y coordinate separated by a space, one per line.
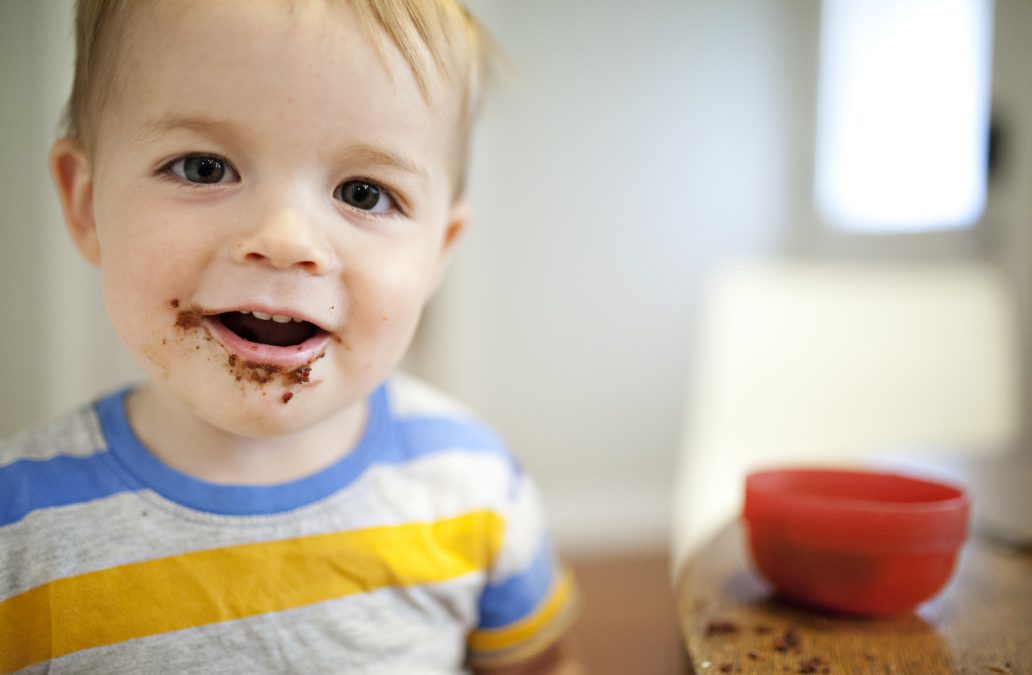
pixel 307 69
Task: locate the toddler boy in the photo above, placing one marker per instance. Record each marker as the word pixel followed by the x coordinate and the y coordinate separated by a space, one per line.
pixel 271 190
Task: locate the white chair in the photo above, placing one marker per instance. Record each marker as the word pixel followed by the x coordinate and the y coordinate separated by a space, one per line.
pixel 833 363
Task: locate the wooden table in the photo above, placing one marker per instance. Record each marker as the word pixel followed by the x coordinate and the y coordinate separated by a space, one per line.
pixel 981 622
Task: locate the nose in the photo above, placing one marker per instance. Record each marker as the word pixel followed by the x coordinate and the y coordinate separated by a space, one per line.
pixel 286 238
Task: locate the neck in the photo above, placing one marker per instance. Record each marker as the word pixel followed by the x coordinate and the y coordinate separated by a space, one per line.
pixel 191 445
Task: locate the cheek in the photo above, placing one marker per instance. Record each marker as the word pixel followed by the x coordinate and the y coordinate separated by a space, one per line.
pixel 142 230
pixel 140 321
pixel 141 274
pixel 129 286
pixel 150 253
pixel 387 307
pixel 139 280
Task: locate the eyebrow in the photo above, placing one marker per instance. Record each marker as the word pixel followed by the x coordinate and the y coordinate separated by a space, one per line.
pixel 376 156
pixel 361 152
pixel 173 122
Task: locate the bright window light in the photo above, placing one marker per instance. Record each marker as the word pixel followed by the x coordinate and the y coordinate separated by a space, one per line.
pixel 903 113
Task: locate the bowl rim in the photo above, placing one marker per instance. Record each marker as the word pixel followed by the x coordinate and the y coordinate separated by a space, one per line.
pixel 954 494
pixel 856 524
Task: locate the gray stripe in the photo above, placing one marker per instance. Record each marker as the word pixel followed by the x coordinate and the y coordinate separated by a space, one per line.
pixel 391 631
pixel 76 434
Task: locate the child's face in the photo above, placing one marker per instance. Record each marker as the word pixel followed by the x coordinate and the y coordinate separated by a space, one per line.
pixel 260 157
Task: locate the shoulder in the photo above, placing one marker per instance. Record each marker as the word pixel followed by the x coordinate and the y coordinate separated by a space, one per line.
pixel 440 444
pixel 429 419
pixel 58 463
pixel 412 397
pixel 75 434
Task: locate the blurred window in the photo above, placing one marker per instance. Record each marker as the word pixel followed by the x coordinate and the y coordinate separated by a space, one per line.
pixel 903 114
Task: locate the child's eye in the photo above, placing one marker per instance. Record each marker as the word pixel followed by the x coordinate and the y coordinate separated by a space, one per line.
pixel 365 196
pixel 203 169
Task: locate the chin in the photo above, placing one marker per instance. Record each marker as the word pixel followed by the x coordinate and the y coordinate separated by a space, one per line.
pixel 263 423
pixel 254 412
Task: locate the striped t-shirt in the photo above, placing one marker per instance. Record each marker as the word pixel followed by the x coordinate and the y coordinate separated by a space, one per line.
pixel 423 550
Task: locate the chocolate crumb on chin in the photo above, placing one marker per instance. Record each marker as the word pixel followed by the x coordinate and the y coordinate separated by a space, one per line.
pixel 287 395
pixel 263 373
pixel 248 371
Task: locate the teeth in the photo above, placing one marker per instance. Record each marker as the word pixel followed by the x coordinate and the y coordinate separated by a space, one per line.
pixel 278 318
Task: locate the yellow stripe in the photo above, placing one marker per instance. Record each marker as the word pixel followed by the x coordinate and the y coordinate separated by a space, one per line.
pixel 202 587
pixel 524 630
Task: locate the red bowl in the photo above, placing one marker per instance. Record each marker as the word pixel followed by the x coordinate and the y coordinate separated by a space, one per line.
pixel 854 541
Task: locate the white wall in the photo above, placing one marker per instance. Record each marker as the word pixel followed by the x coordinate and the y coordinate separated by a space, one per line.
pixel 1009 212
pixel 20 250
pixel 630 146
pixel 58 348
pixel 633 147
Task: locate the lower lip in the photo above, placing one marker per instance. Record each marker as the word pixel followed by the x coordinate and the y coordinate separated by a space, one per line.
pixel 293 356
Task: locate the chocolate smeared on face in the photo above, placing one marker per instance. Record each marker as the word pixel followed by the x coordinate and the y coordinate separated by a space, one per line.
pixel 189 318
pixel 258 330
pixel 263 373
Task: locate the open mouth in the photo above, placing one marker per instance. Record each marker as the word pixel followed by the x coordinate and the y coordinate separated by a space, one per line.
pixel 269 329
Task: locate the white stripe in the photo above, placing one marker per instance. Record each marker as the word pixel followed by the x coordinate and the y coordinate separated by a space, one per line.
pixel 76 434
pixel 525 527
pixel 410 397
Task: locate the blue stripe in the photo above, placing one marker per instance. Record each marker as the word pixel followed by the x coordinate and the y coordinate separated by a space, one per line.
pixel 518 596
pixel 240 500
pixel 28 484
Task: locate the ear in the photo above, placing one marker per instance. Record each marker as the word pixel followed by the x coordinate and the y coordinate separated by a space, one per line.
pixel 458 216
pixel 72 174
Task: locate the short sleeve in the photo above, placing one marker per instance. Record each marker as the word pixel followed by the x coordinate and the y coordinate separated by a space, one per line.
pixel 530 600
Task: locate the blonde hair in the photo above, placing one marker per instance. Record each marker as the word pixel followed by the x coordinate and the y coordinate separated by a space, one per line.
pixel 430 34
